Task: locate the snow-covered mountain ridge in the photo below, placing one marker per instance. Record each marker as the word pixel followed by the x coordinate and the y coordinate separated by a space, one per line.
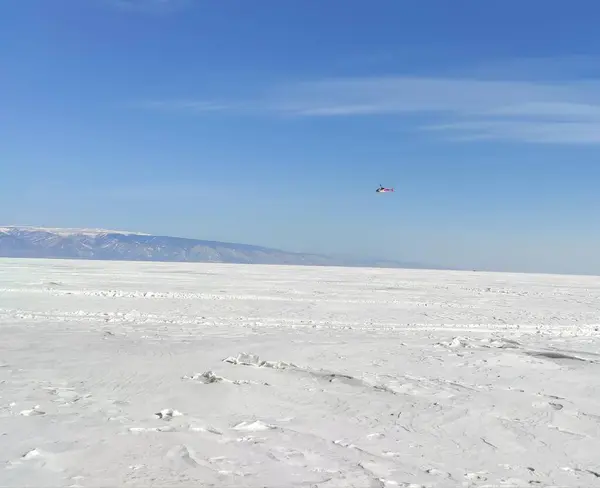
pixel 68 243
pixel 67 231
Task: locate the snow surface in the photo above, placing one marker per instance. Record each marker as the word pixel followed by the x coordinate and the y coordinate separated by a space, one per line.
pixel 178 374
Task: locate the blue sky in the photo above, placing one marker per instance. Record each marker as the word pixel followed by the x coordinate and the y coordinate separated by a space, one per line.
pixel 272 122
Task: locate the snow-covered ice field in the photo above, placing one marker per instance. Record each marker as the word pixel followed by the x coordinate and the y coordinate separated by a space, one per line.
pixel 116 373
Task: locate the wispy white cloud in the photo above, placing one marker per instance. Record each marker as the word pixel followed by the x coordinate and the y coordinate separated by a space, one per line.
pixel 414 94
pixel 459 108
pixel 541 132
pixel 193 106
pixel 464 109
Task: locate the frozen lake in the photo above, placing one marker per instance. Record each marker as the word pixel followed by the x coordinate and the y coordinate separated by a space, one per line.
pixel 139 374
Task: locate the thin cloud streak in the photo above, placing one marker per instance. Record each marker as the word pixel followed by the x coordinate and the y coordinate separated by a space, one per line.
pixel 409 94
pixel 471 110
pixel 560 110
pixel 526 111
pixel 538 132
pixel 192 106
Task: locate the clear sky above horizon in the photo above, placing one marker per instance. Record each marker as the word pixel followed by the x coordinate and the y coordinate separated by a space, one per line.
pixel 273 122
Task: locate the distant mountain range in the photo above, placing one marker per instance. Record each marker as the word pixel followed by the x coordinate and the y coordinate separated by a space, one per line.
pixel 99 244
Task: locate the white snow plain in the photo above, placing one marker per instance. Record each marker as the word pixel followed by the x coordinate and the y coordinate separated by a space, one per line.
pixel 143 374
